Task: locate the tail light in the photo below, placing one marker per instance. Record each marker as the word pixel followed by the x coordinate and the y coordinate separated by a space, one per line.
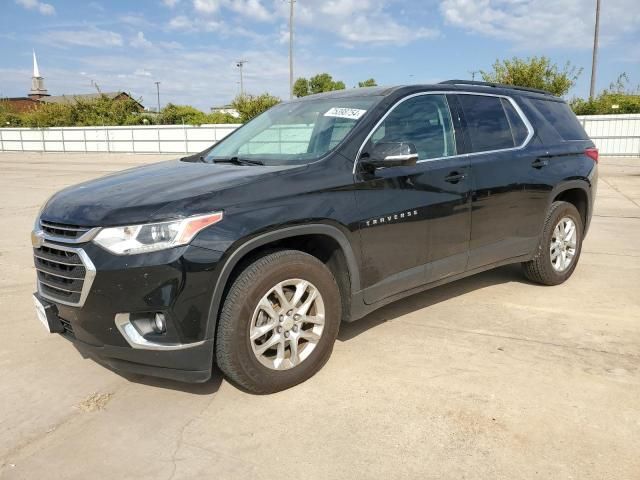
pixel 592 153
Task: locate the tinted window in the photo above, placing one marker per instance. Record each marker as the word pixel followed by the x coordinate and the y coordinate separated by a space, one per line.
pixel 424 121
pixel 518 128
pixel 560 116
pixel 487 123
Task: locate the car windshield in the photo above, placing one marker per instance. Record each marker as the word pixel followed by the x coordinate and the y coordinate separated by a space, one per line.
pixel 293 133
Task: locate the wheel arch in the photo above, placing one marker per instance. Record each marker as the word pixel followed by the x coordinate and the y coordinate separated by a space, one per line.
pixel 578 193
pixel 284 238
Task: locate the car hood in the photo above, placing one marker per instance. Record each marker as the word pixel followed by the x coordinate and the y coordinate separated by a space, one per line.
pixel 147 193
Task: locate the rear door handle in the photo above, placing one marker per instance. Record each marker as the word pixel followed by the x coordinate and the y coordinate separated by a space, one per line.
pixel 454 177
pixel 540 162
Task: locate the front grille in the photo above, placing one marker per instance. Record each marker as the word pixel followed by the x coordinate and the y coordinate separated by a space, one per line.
pixel 64 274
pixel 63 231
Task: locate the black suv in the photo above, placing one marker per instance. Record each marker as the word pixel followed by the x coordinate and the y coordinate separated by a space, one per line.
pixel 321 210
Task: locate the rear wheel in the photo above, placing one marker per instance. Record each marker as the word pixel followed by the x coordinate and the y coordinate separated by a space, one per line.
pixel 279 322
pixel 560 247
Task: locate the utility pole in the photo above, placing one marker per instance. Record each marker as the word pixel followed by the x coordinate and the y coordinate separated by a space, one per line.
pixel 291 2
pixel 594 60
pixel 158 92
pixel 240 65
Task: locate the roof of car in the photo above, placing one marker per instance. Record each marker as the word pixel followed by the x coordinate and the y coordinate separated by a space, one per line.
pixel 450 85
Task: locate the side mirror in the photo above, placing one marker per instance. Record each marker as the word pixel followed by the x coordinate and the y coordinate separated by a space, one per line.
pixel 390 154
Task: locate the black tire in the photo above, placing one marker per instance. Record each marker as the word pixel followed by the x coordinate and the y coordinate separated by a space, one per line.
pixel 234 354
pixel 540 269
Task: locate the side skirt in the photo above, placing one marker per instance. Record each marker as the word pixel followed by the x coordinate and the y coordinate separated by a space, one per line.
pixel 360 309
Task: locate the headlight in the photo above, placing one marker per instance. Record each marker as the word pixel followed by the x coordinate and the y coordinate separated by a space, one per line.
pixel 153 236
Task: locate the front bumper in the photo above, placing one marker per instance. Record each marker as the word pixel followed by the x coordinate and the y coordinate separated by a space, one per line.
pixel 178 283
pixel 192 365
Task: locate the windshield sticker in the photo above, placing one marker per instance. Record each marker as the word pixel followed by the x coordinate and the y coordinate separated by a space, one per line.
pixel 350 113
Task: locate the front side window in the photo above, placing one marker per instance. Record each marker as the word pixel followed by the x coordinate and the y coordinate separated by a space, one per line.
pixel 294 133
pixel 487 123
pixel 424 121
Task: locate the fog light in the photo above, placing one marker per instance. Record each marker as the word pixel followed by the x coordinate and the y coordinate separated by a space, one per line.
pixel 159 323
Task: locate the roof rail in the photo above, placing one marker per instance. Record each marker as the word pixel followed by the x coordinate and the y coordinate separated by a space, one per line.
pixel 495 85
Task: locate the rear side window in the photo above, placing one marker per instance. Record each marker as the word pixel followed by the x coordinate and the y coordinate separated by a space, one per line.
pixel 561 118
pixel 487 123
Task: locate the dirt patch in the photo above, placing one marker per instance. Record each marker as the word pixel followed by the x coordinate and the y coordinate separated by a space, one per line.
pixel 95 402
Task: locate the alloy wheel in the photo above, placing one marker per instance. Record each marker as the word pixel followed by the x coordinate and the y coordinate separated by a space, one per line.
pixel 563 244
pixel 287 324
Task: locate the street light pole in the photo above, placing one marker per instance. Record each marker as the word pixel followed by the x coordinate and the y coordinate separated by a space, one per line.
pixel 594 59
pixel 240 65
pixel 158 92
pixel 291 2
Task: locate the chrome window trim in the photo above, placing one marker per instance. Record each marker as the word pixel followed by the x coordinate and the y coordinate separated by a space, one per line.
pixel 89 277
pixel 138 342
pixel 517 108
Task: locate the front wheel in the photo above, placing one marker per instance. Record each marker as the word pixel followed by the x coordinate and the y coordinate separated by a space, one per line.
pixel 279 322
pixel 560 247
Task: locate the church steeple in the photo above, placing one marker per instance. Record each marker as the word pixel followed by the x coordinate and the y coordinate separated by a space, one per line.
pixel 37 81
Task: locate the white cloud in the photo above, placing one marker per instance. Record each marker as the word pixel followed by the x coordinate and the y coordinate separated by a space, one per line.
pixel 253 9
pixel 377 30
pixel 139 41
pixel 92 37
pixel 542 23
pixel 141 72
pixel 181 22
pixel 358 21
pixel 206 6
pixel 185 24
pixel 250 8
pixel 43 8
pixel 170 3
pixel 96 6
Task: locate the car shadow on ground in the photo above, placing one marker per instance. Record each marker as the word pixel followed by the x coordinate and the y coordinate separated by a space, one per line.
pixel 206 388
pixel 418 301
pixel 209 387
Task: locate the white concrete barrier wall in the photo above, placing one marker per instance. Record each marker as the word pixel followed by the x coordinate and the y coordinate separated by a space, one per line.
pixel 135 139
pixel 615 135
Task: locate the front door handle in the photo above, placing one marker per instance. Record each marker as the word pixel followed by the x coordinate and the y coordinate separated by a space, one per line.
pixel 540 162
pixel 454 177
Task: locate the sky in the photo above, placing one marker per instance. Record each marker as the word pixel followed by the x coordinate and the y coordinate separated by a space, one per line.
pixel 192 46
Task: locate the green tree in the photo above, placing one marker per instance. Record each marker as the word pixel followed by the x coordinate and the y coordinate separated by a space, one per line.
pixel 322 82
pixel 218 117
pixel 9 118
pixel 367 83
pixel 618 98
pixel 177 114
pixel 250 106
pixel 533 72
pixel 81 112
pixel 301 87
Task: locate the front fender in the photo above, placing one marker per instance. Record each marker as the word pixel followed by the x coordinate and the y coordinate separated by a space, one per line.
pixel 244 247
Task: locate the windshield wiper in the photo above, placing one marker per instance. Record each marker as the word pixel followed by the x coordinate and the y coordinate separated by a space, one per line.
pixel 238 161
